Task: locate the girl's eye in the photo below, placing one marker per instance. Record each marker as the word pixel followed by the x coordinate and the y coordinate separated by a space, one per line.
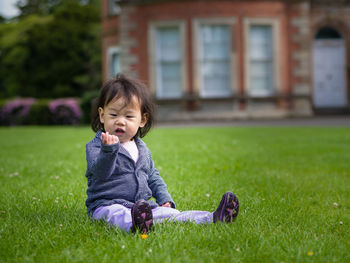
pixel 129 116
pixel 113 115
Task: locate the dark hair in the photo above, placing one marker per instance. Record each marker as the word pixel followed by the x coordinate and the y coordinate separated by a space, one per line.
pixel 124 87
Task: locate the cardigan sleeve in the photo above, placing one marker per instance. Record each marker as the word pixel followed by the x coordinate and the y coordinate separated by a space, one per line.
pixel 101 159
pixel 159 188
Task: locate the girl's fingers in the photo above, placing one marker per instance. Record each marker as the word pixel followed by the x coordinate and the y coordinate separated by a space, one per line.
pixel 103 135
pixel 108 139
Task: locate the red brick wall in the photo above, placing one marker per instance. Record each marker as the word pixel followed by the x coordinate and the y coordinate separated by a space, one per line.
pixel 110 36
pixel 205 9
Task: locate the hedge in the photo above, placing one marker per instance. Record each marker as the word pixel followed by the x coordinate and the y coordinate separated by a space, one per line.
pixel 31 111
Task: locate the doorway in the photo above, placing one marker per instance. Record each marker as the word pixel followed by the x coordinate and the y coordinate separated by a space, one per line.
pixel 329 70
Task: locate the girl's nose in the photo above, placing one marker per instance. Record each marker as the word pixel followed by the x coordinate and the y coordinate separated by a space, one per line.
pixel 120 121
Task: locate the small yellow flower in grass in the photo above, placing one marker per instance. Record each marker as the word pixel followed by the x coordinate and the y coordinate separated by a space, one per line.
pixel 144 236
pixel 341 222
pixel 310 253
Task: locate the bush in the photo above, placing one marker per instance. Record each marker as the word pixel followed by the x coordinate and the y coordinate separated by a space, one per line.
pixel 40 114
pixel 86 104
pixel 65 111
pixel 22 111
pixel 16 111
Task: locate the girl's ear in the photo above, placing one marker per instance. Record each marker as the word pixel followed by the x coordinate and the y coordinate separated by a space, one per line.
pixel 144 119
pixel 101 114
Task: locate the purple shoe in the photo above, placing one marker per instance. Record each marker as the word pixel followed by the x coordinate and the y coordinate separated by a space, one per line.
pixel 227 210
pixel 142 217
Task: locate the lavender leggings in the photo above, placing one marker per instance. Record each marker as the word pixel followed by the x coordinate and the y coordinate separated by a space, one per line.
pixel 121 216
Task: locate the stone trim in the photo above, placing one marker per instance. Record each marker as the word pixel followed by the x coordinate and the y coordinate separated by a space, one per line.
pixel 301 37
pixel 127 42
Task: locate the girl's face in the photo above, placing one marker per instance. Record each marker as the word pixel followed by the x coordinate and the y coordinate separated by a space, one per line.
pixel 121 119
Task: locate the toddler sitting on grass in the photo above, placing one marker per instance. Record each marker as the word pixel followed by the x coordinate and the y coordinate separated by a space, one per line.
pixel 120 171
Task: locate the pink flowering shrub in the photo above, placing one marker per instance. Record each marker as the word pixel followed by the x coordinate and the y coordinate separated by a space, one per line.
pixel 15 112
pixel 65 111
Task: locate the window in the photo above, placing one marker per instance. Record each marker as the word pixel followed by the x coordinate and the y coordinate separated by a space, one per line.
pixel 261 60
pixel 215 60
pixel 214 57
pixel 262 70
pixel 167 60
pixel 113 61
pixel 113 7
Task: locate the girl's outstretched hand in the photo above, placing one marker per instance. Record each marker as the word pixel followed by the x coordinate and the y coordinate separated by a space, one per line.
pixel 109 139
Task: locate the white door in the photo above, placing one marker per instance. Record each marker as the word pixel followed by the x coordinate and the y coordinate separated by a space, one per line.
pixel 329 73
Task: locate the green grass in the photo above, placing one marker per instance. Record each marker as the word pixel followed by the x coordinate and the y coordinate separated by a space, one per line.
pixel 287 181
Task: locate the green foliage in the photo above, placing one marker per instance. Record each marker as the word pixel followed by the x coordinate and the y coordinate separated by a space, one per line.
pixel 86 104
pixel 39 113
pixel 53 50
pixel 30 7
pixel 292 183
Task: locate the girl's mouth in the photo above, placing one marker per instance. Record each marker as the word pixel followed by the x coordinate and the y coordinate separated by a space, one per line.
pixel 119 131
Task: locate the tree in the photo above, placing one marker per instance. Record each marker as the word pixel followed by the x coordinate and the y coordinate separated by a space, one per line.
pixel 54 54
pixel 37 7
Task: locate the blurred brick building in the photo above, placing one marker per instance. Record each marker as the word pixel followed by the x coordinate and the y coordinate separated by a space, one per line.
pixel 207 59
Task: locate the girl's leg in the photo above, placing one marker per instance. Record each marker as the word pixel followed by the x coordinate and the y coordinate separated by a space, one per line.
pixel 161 213
pixel 117 215
pixel 200 217
pixel 227 211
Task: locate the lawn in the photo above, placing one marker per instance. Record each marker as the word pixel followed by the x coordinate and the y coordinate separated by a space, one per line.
pixel 293 185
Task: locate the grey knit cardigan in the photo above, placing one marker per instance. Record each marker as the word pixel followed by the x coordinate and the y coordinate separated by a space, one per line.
pixel 114 178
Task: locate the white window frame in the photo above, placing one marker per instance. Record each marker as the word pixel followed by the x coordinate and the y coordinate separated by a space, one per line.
pixel 152 53
pixel 110 51
pixel 196 24
pixel 113 8
pixel 275 25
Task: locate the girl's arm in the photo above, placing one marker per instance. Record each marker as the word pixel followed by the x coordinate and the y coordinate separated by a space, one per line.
pixel 159 188
pixel 101 157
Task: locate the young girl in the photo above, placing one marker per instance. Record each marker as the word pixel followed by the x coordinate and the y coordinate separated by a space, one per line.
pixel 120 172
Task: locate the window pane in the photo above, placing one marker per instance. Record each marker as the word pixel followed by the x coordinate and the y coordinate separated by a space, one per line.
pixel 113 60
pixel 113 7
pixel 168 44
pixel 215 60
pixel 261 78
pixel 261 60
pixel 170 76
pixel 261 44
pixel 168 56
pixel 115 64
